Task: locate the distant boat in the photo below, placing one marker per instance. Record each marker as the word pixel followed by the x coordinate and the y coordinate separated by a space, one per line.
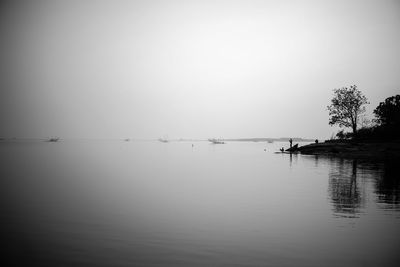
pixel 127 140
pixel 216 141
pixel 163 140
pixel 270 141
pixel 53 139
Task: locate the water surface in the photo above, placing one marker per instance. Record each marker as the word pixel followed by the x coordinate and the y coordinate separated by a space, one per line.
pixel 115 203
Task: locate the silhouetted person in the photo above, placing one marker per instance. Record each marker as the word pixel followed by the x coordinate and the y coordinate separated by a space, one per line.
pixel 316 141
pixel 290 141
pixel 282 149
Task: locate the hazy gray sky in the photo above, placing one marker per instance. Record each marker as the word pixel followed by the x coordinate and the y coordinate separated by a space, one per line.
pixel 193 69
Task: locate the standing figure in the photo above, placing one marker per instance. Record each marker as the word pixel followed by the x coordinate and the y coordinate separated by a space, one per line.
pixel 290 141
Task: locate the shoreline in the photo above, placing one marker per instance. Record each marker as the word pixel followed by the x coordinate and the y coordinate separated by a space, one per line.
pixel 382 150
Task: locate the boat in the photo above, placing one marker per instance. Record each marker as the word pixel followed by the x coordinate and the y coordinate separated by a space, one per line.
pixel 163 140
pixel 216 141
pixel 53 139
pixel 270 141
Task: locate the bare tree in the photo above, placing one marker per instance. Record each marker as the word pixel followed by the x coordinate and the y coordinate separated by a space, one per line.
pixel 347 105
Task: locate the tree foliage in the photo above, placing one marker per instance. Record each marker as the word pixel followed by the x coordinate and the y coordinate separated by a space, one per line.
pixel 388 112
pixel 347 105
pixel 343 136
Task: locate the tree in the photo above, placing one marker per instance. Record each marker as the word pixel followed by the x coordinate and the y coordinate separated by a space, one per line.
pixel 347 105
pixel 388 112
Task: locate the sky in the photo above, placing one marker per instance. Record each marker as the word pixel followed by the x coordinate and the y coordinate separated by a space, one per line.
pixel 190 69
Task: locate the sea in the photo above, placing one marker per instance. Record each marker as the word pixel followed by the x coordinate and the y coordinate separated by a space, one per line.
pixel 193 203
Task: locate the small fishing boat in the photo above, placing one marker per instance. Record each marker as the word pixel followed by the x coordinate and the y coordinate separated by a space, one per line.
pixel 216 141
pixel 53 139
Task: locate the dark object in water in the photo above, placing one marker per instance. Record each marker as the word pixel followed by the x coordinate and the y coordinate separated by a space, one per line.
pixel 53 139
pixel 293 148
pixel 216 141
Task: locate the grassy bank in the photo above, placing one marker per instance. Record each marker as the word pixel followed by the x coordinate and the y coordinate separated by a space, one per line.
pixel 387 150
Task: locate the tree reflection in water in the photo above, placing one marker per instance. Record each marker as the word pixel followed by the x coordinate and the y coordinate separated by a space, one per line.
pixel 388 185
pixel 349 179
pixel 343 188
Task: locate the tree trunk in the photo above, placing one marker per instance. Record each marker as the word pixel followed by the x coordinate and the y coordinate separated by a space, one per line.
pixel 354 129
pixel 354 124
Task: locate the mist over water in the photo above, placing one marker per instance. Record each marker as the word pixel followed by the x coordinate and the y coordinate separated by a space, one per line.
pixel 194 69
pixel 92 71
pixel 115 203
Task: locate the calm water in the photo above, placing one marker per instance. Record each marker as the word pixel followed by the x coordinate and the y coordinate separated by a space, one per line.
pixel 114 203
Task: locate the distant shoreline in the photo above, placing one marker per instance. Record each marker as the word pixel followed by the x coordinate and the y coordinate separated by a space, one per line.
pixel 262 139
pixel 257 139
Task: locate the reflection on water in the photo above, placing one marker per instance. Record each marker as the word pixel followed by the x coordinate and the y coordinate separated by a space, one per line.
pixel 174 204
pixel 293 157
pixel 388 185
pixel 343 188
pixel 350 180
